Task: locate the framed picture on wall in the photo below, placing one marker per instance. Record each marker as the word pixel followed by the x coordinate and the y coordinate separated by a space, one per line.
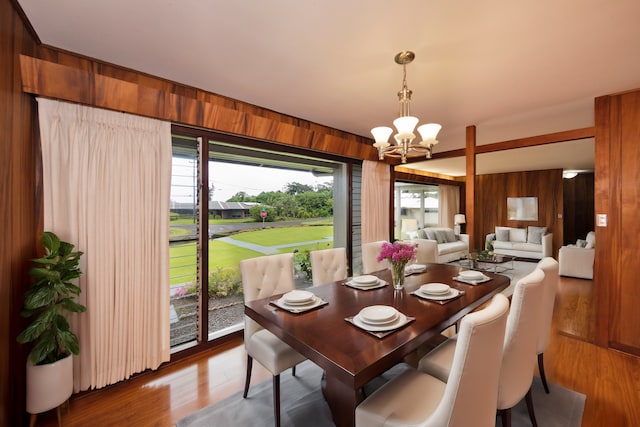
pixel 522 208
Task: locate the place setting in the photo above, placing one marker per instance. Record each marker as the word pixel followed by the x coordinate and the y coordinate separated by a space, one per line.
pixel 440 293
pixel 472 277
pixel 414 269
pixel 298 301
pixel 366 282
pixel 379 320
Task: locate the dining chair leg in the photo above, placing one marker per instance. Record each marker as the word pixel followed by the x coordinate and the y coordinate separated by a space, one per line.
pixel 247 380
pixel 505 415
pixel 276 399
pixel 543 377
pixel 529 399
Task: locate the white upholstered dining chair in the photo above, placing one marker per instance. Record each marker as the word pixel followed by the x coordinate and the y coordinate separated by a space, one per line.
pixel 370 252
pixel 469 397
pixel 328 265
pixel 550 267
pixel 519 354
pixel 261 278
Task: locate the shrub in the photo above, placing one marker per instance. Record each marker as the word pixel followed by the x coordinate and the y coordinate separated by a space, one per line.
pixel 302 264
pixel 224 282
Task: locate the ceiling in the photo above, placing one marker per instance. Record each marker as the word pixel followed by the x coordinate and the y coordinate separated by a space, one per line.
pixel 513 69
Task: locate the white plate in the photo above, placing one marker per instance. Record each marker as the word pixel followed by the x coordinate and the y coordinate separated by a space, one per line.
pixel 451 294
pixel 435 289
pixel 365 280
pixel 379 323
pixel 298 297
pixel 366 285
pixel 378 314
pixel 401 320
pixel 471 275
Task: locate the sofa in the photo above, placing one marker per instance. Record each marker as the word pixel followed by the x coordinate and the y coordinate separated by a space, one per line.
pixel 531 242
pixel 577 260
pixel 440 245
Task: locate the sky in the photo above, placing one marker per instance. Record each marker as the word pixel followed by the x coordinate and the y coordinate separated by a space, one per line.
pixel 229 179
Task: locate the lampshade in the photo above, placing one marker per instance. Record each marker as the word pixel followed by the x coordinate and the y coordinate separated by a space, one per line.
pixel 381 135
pixel 405 126
pixel 429 132
pixel 459 219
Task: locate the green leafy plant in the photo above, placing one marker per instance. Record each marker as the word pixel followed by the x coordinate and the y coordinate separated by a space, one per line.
pixel 302 263
pixel 50 298
pixel 224 282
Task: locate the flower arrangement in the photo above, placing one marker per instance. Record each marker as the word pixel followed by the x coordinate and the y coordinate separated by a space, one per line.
pixel 398 254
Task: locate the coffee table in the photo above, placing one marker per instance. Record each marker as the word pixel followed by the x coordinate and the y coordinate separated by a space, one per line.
pixel 491 263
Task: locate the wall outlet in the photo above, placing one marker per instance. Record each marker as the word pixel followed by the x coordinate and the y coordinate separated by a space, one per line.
pixel 601 220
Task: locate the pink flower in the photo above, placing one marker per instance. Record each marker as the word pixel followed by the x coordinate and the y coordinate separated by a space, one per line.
pixel 397 253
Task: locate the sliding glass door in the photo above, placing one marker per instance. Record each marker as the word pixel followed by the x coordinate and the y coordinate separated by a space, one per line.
pixel 252 200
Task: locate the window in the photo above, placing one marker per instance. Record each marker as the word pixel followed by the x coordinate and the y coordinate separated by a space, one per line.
pixel 257 201
pixel 416 206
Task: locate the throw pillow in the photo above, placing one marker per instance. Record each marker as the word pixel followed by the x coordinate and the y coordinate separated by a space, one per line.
pixel 518 235
pixel 441 236
pixel 422 234
pixel 534 234
pixel 450 235
pixel 589 245
pixel 581 243
pixel 502 234
pixel 431 235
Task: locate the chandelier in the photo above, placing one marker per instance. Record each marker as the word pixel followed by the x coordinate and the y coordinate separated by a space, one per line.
pixel 404 145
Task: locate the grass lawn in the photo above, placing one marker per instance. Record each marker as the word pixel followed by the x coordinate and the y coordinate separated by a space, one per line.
pixel 183 256
pixel 285 235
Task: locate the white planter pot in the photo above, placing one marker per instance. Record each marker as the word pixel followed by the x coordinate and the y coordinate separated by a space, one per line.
pixel 49 386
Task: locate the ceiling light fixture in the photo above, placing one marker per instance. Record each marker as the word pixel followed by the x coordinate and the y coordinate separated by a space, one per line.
pixel 404 146
pixel 569 174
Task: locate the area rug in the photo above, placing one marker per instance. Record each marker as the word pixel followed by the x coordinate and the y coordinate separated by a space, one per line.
pixel 303 405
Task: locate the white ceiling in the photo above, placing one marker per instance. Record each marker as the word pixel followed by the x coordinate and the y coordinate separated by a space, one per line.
pixel 513 69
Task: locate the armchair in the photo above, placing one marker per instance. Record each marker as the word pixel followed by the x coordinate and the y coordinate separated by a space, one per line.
pixel 577 260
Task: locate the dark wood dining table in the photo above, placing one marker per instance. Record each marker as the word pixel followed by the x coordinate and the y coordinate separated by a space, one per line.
pixel 351 356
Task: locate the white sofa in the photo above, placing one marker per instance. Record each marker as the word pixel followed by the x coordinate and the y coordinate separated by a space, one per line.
pixel 531 242
pixel 440 245
pixel 577 260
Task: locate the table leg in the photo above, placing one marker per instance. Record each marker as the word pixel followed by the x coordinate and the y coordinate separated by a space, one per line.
pixel 342 400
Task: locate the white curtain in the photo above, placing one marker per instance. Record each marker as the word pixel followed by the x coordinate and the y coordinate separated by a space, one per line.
pixel 107 179
pixel 449 204
pixel 376 199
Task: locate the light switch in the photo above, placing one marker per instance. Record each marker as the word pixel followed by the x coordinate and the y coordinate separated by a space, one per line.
pixel 601 220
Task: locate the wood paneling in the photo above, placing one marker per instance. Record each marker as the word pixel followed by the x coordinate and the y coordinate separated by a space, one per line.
pixel 20 216
pixel 86 81
pixel 491 202
pixel 618 197
pixel 578 207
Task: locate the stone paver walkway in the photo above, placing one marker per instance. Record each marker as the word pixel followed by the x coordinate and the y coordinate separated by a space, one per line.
pixel 270 250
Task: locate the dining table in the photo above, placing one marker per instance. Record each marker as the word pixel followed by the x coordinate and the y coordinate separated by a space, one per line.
pixel 350 355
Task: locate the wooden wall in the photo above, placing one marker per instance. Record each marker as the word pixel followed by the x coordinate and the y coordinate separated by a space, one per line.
pixel 491 202
pixel 578 207
pixel 20 215
pixel 617 196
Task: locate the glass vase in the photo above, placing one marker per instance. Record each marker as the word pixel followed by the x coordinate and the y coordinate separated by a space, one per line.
pixel 397 273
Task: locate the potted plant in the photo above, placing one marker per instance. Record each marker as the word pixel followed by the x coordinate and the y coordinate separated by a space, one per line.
pixel 49 300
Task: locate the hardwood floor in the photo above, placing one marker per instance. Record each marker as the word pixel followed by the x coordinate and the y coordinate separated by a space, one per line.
pixel 610 379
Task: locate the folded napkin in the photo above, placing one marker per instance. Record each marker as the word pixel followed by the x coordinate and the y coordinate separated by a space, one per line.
pixel 318 302
pixel 472 282
pixel 381 334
